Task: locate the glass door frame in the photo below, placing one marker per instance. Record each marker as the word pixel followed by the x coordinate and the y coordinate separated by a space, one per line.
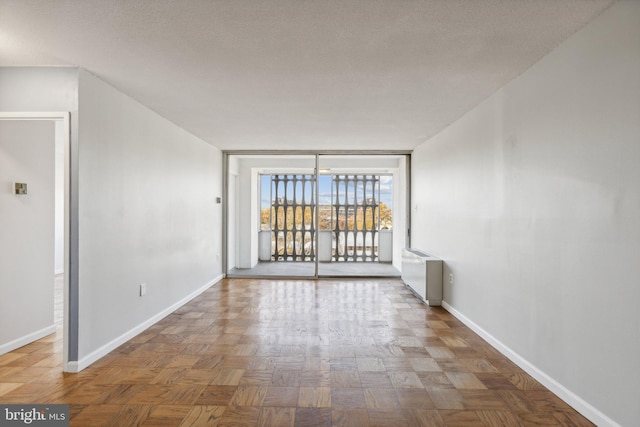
pixel 226 154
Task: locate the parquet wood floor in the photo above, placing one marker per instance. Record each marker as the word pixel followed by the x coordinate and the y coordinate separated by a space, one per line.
pixel 292 353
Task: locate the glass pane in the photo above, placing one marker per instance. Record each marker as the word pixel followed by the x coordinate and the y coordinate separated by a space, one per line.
pixel 270 216
pixel 354 191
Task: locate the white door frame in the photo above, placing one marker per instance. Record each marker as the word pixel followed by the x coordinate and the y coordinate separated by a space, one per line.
pixel 64 117
pixel 404 201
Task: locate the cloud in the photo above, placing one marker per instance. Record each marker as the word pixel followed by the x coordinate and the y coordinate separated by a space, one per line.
pixel 386 179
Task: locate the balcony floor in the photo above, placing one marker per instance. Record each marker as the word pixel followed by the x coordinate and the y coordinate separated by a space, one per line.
pixel 307 269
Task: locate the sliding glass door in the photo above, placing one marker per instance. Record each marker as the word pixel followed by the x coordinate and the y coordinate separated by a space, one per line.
pixel 358 202
pixel 271 230
pixel 315 215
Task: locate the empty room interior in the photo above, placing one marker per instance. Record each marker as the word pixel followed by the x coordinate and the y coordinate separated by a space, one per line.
pixel 317 213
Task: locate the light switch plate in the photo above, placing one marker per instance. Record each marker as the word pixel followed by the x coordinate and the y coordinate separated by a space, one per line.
pixel 20 188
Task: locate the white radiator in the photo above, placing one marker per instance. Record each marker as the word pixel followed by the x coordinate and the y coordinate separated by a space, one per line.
pixel 423 274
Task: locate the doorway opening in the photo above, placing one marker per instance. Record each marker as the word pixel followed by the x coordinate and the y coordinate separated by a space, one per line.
pixel 315 215
pixel 34 154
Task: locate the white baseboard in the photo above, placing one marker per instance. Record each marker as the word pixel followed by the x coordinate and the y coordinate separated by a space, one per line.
pixel 27 339
pixel 86 361
pixel 575 401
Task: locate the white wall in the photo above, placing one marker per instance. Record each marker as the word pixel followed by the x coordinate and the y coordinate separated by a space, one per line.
pixel 233 220
pixel 60 141
pixel 400 217
pixel 146 202
pixel 147 214
pixel 27 152
pixel 532 200
pixel 50 89
pixel 39 89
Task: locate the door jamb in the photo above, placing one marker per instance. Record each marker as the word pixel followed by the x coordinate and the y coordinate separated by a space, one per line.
pixel 70 310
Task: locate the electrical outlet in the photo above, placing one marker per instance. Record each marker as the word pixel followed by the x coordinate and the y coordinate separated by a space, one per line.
pixel 143 289
pixel 451 278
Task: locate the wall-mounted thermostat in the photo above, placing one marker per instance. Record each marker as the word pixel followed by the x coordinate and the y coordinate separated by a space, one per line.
pixel 21 188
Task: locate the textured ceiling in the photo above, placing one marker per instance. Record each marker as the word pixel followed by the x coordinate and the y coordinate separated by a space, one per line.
pixel 250 74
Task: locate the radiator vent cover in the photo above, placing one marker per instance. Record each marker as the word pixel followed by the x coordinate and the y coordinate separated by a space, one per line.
pixel 423 274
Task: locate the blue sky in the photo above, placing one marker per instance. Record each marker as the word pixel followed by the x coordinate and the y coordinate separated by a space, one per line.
pixel 386 190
